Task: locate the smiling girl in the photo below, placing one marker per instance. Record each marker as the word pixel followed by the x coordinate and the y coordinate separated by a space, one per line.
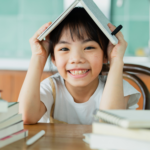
pixel 78 48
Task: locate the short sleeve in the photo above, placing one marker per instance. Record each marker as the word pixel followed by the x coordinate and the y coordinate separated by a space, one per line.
pixel 134 95
pixel 47 98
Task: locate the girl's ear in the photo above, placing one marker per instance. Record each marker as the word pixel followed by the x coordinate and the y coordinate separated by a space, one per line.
pixel 53 60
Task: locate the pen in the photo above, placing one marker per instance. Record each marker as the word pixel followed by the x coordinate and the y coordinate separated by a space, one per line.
pixel 117 30
pixel 35 137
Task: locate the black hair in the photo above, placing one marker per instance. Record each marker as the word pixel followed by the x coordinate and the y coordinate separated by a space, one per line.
pixel 79 22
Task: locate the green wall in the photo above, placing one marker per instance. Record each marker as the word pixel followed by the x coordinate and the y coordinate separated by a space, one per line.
pixel 19 20
pixel 134 16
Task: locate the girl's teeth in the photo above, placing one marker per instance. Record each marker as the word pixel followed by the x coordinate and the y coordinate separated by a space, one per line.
pixel 78 72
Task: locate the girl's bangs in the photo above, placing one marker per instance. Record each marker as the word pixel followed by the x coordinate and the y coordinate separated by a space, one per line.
pixel 78 30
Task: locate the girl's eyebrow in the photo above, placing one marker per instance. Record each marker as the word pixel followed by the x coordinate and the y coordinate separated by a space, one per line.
pixel 63 42
pixel 87 40
pixel 84 41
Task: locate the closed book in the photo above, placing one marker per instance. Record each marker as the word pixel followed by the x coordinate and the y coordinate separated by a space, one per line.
pixel 116 143
pixel 113 130
pixel 125 118
pixel 13 138
pixel 87 137
pixel 13 109
pixel 11 129
pixel 12 120
pixel 3 106
pixel 93 11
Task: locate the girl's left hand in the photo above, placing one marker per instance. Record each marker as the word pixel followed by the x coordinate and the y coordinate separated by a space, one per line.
pixel 116 52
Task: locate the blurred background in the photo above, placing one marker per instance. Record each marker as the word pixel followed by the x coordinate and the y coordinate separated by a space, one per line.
pixel 20 19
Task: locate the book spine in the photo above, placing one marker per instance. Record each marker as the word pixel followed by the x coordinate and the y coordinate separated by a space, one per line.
pixel 11 129
pixel 13 138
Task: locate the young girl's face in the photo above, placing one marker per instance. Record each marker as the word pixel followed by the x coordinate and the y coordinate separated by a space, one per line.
pixel 79 62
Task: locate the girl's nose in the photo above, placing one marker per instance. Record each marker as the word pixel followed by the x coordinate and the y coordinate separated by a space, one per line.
pixel 76 58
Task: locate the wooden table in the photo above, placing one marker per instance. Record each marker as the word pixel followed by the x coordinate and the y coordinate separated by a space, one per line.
pixel 57 137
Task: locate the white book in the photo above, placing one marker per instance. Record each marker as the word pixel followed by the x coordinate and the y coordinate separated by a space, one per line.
pixel 3 106
pixel 13 109
pixel 11 129
pixel 113 130
pixel 13 138
pixel 125 118
pixel 97 141
pixel 87 137
pixel 95 13
pixel 12 120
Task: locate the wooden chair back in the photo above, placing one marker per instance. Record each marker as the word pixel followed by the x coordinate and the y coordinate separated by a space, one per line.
pixel 130 72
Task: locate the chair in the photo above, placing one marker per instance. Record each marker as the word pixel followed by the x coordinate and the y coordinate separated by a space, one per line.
pixel 129 72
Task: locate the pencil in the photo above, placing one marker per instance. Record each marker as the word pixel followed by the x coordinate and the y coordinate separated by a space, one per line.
pixel 35 137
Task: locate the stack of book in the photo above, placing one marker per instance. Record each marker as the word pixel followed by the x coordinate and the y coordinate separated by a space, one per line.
pixel 120 129
pixel 11 124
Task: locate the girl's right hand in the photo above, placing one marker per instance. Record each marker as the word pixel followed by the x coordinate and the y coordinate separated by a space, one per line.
pixel 40 48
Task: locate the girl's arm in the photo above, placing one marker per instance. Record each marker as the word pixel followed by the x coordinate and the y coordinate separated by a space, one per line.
pixel 113 96
pixel 30 106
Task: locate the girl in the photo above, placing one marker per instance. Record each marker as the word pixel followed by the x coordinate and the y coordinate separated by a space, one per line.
pixel 78 49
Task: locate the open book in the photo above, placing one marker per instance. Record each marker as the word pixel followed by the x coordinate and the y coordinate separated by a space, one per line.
pixel 95 13
pixel 125 118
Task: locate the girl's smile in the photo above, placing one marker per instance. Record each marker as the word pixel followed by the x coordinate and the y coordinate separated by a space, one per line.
pixel 78 73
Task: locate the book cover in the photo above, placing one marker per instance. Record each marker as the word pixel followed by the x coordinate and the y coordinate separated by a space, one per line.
pixel 125 118
pixel 13 109
pixel 113 130
pixel 12 103
pixel 3 106
pixel 92 9
pixel 12 120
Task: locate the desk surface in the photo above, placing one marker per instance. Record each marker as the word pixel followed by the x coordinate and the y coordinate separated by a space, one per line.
pixel 57 137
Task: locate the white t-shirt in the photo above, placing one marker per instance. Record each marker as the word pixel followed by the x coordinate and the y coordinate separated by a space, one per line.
pixel 67 110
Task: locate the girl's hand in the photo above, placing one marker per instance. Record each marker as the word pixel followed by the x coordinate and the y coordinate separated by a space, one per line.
pixel 40 48
pixel 116 52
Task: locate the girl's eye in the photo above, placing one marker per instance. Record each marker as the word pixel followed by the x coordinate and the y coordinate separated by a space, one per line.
pixel 88 48
pixel 64 49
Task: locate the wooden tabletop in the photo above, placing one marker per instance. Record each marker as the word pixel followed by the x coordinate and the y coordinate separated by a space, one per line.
pixel 57 137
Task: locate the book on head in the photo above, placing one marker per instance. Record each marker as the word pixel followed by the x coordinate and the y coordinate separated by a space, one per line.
pixel 125 118
pixel 95 13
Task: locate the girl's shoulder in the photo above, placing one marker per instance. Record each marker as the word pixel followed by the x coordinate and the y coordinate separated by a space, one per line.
pixel 57 79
